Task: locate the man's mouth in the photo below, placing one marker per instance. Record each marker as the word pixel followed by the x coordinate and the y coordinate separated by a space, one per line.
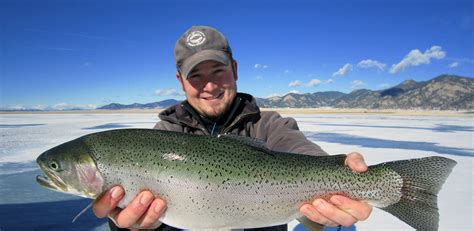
pixel 212 97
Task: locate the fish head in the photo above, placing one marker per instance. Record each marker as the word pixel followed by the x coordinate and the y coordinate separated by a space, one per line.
pixel 70 168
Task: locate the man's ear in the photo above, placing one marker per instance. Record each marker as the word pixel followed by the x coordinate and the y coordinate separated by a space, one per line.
pixel 180 80
pixel 234 68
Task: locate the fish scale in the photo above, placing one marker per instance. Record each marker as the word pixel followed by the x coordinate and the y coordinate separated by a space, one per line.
pixel 234 182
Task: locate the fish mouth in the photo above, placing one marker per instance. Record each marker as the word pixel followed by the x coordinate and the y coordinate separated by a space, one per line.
pixel 51 182
pixel 44 181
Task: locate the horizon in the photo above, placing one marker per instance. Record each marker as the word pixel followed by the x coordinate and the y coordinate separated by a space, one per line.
pixel 63 55
pixel 179 100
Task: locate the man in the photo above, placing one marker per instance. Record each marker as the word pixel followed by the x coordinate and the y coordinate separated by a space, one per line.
pixel 207 74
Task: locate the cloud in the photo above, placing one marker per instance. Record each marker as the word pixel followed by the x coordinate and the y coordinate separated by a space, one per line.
pixel 369 63
pixel 295 83
pixel 454 64
pixel 273 95
pixel 329 81
pixel 416 58
pixel 287 71
pixel 257 66
pixel 41 107
pixel 57 107
pixel 293 91
pixel 461 60
pixel 66 106
pixel 167 92
pixel 258 77
pixel 280 95
pixel 383 86
pixel 343 70
pixel 357 84
pixel 313 83
pixel 15 107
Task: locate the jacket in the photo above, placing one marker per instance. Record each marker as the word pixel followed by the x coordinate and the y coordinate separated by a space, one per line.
pixel 244 119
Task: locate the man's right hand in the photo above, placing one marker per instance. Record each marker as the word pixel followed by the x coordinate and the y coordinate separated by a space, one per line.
pixel 143 212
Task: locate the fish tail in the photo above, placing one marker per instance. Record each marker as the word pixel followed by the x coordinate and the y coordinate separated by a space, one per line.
pixel 422 180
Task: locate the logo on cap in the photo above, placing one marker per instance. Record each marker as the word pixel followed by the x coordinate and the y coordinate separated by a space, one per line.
pixel 196 38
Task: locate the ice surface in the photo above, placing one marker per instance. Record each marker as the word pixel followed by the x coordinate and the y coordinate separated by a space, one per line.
pixel 25 136
pixel 379 138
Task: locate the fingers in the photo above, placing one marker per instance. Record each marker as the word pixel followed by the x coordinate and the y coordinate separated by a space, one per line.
pixel 339 211
pixel 329 215
pixel 107 202
pixel 357 209
pixel 131 214
pixel 312 213
pixel 143 212
pixel 153 214
pixel 356 162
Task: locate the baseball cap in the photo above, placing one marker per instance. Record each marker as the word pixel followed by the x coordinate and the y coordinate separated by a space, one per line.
pixel 199 44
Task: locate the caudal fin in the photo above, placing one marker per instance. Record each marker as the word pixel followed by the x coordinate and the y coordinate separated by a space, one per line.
pixel 422 180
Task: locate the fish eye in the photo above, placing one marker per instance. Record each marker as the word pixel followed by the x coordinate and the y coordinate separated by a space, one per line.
pixel 54 165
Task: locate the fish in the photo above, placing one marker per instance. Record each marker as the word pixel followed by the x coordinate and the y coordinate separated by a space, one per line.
pixel 230 181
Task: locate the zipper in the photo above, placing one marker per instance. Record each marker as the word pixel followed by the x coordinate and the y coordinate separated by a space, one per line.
pixel 240 118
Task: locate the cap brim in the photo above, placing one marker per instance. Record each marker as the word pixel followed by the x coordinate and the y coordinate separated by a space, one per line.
pixel 205 55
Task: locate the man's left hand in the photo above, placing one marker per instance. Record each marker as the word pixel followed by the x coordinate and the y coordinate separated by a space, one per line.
pixel 339 210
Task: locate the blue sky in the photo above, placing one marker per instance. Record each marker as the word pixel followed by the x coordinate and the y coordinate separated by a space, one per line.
pixel 63 54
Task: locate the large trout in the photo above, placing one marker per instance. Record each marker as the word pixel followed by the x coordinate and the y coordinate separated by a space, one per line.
pixel 235 182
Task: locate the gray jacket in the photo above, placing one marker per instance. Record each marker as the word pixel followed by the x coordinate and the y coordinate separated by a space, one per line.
pixel 246 119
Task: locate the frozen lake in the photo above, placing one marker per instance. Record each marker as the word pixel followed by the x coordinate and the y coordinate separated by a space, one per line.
pixel 380 138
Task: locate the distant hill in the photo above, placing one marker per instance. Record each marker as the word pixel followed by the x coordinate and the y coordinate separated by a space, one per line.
pixel 445 92
pixel 308 100
pixel 160 104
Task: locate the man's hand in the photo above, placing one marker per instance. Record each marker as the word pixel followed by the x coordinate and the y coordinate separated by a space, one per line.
pixel 143 212
pixel 340 210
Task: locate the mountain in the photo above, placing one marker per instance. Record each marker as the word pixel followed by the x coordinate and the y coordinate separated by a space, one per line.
pixel 160 104
pixel 445 92
pixel 317 99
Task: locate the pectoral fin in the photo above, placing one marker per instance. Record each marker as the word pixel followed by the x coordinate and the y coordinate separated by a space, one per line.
pixel 82 211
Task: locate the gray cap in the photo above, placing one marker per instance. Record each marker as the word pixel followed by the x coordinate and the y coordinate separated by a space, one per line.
pixel 199 44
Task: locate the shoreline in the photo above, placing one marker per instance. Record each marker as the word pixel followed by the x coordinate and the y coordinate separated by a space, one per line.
pixel 290 111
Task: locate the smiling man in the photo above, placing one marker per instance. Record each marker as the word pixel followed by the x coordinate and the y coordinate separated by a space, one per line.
pixel 210 88
pixel 207 74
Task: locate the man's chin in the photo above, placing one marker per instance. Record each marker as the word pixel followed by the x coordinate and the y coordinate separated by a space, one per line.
pixel 214 114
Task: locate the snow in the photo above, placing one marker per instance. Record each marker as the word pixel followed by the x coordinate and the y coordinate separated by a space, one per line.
pixel 380 138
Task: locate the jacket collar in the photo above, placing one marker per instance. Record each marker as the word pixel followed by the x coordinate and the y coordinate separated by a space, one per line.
pixel 243 106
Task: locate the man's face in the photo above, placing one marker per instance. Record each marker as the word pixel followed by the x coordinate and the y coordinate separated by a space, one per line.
pixel 210 87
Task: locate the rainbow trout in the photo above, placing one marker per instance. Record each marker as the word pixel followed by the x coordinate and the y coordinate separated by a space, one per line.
pixel 235 182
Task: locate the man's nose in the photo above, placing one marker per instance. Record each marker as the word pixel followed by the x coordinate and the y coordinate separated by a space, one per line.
pixel 210 86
